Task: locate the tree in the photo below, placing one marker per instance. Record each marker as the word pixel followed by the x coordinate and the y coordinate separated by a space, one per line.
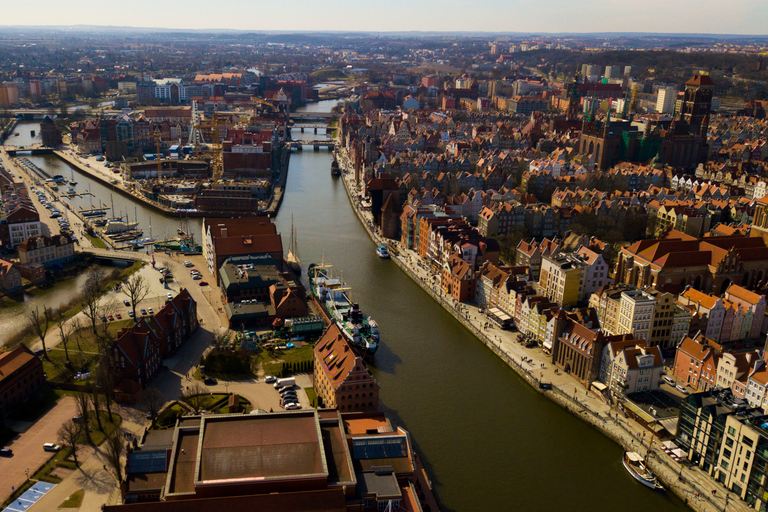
pixel 39 323
pixel 113 452
pixel 107 308
pixel 91 294
pixel 83 406
pixel 151 402
pixel 194 395
pixel 107 382
pixel 65 331
pixel 96 403
pixel 70 434
pixel 137 289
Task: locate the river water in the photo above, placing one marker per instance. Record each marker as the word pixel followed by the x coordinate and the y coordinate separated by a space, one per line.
pixel 490 442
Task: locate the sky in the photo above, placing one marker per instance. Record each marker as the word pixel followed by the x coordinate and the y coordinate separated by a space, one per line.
pixel 677 16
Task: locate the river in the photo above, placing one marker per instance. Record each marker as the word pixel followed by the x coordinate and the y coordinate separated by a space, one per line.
pixel 490 442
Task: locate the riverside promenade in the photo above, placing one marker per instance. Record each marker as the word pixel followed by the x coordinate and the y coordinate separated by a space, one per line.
pixel 691 484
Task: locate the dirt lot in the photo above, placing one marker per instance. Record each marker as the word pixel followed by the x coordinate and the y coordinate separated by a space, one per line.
pixel 28 447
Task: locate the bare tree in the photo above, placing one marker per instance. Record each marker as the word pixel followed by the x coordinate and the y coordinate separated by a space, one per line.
pixel 70 434
pixel 83 402
pixel 107 382
pixel 114 448
pixel 91 294
pixel 194 395
pixel 137 289
pixel 40 323
pixel 151 402
pixel 108 308
pixel 96 404
pixel 65 331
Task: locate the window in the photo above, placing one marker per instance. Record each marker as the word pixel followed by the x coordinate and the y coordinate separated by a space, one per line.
pixel 731 431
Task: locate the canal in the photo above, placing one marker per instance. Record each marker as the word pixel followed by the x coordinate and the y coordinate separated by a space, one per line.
pixel 490 442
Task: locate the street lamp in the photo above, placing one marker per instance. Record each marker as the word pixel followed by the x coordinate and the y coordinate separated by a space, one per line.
pixel 26 471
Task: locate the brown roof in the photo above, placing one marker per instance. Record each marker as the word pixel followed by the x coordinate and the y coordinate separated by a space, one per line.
pixel 14 359
pixel 743 294
pixel 699 348
pixel 700 80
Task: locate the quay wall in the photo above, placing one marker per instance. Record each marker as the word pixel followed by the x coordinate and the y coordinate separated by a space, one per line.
pixel 615 426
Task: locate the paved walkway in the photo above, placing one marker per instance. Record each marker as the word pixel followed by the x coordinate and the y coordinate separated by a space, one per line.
pixel 693 485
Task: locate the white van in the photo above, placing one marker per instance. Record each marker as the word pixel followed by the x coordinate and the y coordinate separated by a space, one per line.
pixel 669 380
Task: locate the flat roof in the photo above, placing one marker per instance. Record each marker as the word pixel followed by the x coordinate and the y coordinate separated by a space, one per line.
pixel 364 425
pixel 182 473
pixel 261 447
pixel 340 470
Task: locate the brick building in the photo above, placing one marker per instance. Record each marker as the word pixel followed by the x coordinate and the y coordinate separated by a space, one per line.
pixel 341 378
pixel 21 372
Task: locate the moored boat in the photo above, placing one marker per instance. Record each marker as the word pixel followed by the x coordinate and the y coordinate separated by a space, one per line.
pixel 634 463
pixel 335 169
pixel 292 258
pixel 332 295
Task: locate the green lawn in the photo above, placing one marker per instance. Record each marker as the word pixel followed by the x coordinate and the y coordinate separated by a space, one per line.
pixel 210 400
pixel 74 501
pixel 245 406
pixel 98 436
pixel 312 396
pixel 81 355
pixel 97 242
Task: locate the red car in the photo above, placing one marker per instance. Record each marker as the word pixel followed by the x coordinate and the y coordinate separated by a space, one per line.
pixel 118 316
pixel 203 283
pixel 111 318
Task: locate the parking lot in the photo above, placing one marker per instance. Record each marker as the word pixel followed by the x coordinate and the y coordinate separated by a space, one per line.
pixel 28 447
pixel 263 395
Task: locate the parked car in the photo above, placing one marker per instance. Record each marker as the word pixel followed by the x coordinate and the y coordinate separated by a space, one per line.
pixel 130 313
pixel 6 452
pixel 118 316
pixel 203 283
pixel 210 381
pixel 270 379
pixel 51 447
pixel 103 318
pixel 682 389
pixel 143 312
pixel 111 318
pixel 151 311
pixel 169 295
pixel 196 277
pixel 39 352
pixel 669 380
pixel 127 303
pixel 189 264
pixel 292 406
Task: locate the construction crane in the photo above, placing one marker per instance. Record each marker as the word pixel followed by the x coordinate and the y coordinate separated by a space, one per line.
pixel 216 157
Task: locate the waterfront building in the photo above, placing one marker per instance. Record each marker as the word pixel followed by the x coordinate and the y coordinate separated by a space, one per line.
pixel 19 221
pixel 243 236
pixel 636 310
pixel 630 366
pixel 136 354
pixel 49 133
pixel 10 276
pixel 21 373
pixel 727 440
pixel 50 251
pixel 256 291
pixel 578 351
pixel 457 279
pixel 341 378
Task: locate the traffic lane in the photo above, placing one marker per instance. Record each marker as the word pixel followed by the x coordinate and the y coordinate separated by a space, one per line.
pixel 28 447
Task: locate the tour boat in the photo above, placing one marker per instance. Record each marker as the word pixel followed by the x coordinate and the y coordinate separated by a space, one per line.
pixel 332 294
pixel 382 252
pixel 635 464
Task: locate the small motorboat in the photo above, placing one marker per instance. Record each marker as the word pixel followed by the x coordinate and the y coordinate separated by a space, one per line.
pixel 382 252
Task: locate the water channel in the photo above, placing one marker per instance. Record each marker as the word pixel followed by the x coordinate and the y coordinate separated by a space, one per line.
pixel 491 443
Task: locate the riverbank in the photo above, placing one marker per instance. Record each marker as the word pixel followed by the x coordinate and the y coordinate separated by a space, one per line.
pixel 535 368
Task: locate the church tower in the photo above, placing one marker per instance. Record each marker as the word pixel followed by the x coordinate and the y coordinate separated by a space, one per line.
pixel 697 102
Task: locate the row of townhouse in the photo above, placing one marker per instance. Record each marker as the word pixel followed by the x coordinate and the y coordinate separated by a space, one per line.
pixel 136 354
pixel 739 314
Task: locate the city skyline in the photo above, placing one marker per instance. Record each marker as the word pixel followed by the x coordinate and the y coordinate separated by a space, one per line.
pixel 549 16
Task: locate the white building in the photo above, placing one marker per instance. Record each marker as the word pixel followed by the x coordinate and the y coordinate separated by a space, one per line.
pixel 594 273
pixel 665 101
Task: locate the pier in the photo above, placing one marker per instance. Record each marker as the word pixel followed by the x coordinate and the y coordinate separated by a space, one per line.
pixel 298 145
